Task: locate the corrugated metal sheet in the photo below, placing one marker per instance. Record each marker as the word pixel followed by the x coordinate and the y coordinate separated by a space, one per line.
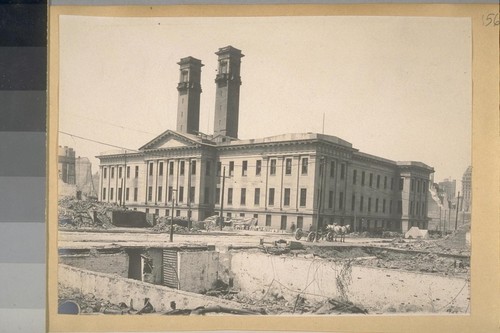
pixel 170 278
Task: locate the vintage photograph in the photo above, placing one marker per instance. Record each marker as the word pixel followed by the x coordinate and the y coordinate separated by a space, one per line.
pixel 270 166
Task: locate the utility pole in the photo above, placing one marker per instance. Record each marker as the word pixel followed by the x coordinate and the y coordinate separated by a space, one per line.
pixel 124 184
pixel 321 172
pixel 457 206
pixel 172 218
pixel 222 198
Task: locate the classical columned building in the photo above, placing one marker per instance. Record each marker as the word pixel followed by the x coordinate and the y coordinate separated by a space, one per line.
pixel 303 179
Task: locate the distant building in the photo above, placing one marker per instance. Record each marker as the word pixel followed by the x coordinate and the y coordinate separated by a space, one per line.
pixel 440 209
pixel 449 186
pixel 467 190
pixel 66 164
pixel 84 178
pixel 301 179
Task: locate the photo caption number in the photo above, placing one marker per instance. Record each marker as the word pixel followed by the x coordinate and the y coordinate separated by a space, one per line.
pixel 491 19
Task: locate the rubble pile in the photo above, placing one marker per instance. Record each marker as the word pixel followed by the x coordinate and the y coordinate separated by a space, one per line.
pixel 76 214
pixel 163 226
pixel 90 304
pixel 422 262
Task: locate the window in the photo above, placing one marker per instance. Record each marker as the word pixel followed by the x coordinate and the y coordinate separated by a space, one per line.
pixel 231 168
pixel 242 214
pixel 178 212
pixel 219 168
pixel 341 200
pixel 361 202
pixel 244 168
pixel 423 209
pixel 128 172
pixel 412 184
pixel 230 196
pixel 283 222
pixel 105 171
pixel 401 183
pixel 383 206
pixel 268 220
pixel 119 196
pixel 111 190
pixel 300 222
pixel 362 178
pixel 400 207
pixel 273 167
pixel 390 207
pixel 120 172
pixel 354 175
pixel 418 186
pixel 256 197
pixel 112 172
pixel 181 167
pixel 330 199
pixel 160 169
pixel 243 197
pixel 127 193
pixel 171 168
pixel 217 195
pixel 180 194
pixel 370 183
pixel 376 205
pixel 369 204
pixel 305 162
pixel 206 195
pixel 157 211
pixel 411 207
pixel 136 192
pixel 288 166
pixel 424 187
pixel 418 208
pixel 258 167
pixel 385 182
pixel 151 168
pixel 170 193
pixel 160 193
pixel 332 169
pixel 342 171
pixel 286 199
pixel 167 212
pixel 193 167
pixel 191 194
pixel 104 194
pixel 271 196
pixel 303 197
pixel 207 168
pixel 353 202
pixel 378 181
pixel 150 193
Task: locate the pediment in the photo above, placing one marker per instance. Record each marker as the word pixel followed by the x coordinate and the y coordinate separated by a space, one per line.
pixel 169 139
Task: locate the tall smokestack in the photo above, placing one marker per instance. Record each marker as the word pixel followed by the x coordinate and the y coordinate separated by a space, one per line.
pixel 227 99
pixel 189 87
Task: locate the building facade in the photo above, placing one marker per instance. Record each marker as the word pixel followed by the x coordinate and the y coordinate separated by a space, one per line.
pixel 467 190
pixel 303 179
pixel 449 186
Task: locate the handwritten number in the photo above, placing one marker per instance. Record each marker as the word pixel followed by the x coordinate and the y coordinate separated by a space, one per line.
pixel 491 19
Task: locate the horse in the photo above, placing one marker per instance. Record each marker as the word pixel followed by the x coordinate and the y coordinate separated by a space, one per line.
pixel 341 231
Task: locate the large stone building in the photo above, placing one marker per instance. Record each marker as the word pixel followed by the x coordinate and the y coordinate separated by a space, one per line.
pixel 302 179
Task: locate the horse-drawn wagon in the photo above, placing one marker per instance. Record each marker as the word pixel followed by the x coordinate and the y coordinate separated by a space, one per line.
pixel 330 233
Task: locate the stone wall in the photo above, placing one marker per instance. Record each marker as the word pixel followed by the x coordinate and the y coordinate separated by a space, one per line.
pixel 381 290
pixel 117 289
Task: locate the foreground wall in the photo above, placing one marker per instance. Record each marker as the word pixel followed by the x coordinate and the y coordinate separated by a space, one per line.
pixel 113 288
pixel 379 290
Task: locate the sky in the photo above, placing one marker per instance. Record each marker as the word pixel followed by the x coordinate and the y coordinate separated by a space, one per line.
pixel 395 87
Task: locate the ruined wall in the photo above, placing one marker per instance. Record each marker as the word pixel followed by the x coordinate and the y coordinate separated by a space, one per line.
pixel 381 290
pixel 105 263
pixel 113 288
pixel 198 271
